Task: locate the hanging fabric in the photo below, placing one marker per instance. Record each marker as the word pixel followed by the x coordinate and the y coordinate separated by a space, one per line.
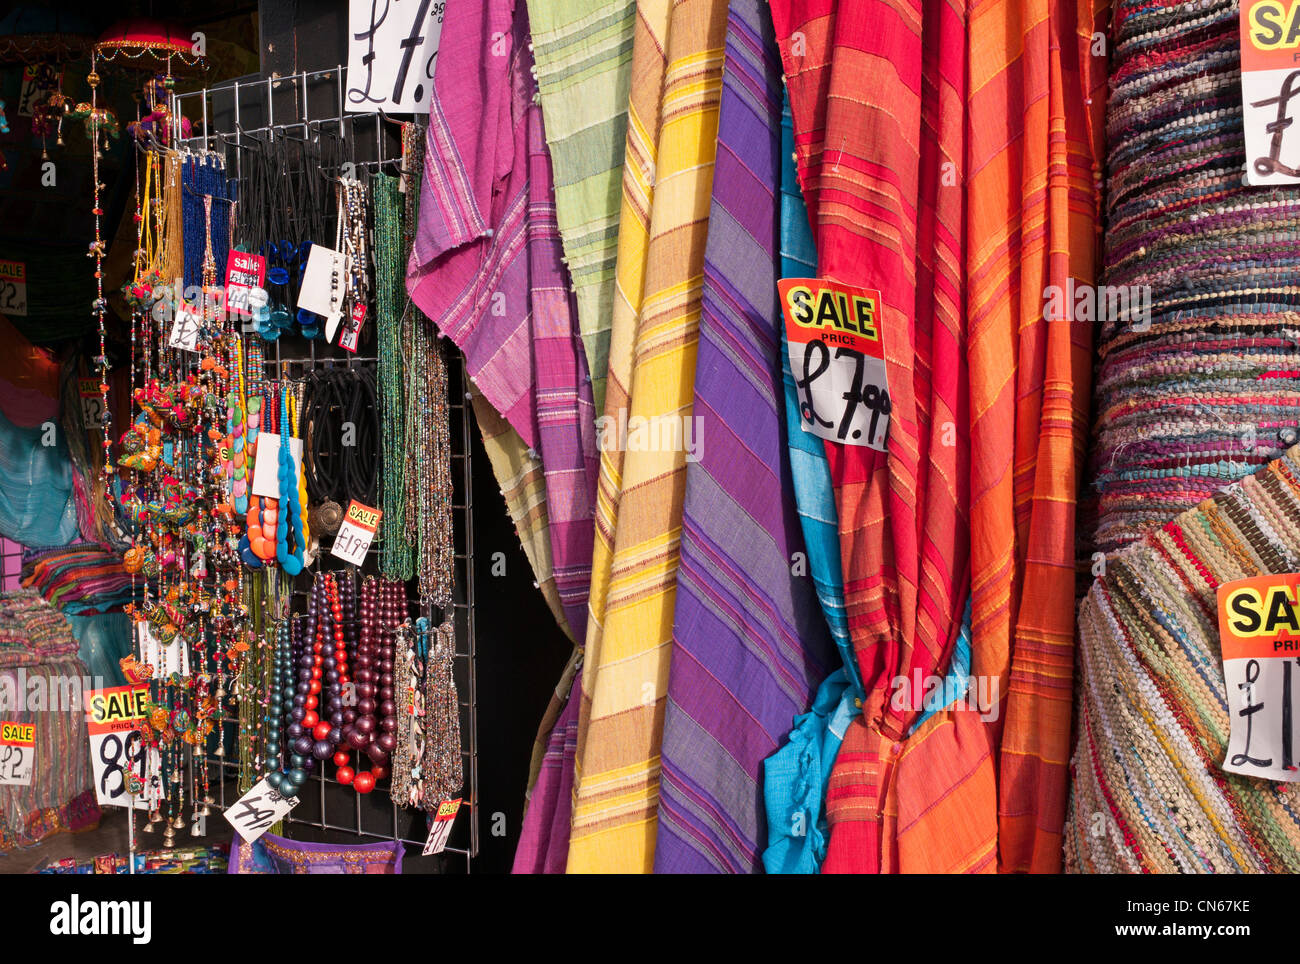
pixel 749 641
pixel 667 183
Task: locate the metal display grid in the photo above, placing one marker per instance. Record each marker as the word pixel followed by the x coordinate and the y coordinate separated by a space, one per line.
pixel 219 115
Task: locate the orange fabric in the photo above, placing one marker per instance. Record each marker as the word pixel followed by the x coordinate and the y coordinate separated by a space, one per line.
pixel 1029 419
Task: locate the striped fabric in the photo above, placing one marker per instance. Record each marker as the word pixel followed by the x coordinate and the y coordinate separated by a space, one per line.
pixel 1029 384
pixel 749 643
pixel 583 50
pixel 487 268
pixel 544 839
pixel 796 776
pixel 566 423
pixel 871 161
pixel 668 174
pixel 523 486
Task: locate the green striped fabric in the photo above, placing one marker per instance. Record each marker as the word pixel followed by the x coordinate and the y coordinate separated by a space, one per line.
pixel 583 52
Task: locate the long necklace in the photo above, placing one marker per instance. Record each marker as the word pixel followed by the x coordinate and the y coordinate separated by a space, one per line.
pixel 397 557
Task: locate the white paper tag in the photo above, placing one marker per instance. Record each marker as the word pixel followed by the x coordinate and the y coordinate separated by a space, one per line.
pixel 266 471
pixel 185 329
pixel 391 53
pixel 440 825
pixel 324 281
pixel 1259 636
pixel 838 361
pixel 1270 92
pixel 352 541
pixel 13 288
pixel 258 810
pixel 17 753
pixel 113 722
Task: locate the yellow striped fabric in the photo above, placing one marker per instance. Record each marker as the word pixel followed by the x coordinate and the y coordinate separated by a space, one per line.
pixel 677 62
pixel 524 488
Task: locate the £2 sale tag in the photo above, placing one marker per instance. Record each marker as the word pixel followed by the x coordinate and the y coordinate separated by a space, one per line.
pixel 1259 632
pixel 17 753
pixel 837 357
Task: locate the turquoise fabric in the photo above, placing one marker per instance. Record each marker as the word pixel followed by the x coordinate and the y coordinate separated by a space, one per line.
pixel 795 777
pixel 37 504
pixel 103 639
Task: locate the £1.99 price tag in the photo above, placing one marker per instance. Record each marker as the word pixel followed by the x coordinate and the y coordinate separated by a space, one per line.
pixel 17 753
pixel 356 533
pixel 440 824
pixel 1259 634
pixel 837 357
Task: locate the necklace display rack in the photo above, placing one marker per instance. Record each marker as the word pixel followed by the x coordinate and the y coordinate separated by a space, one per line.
pixel 218 115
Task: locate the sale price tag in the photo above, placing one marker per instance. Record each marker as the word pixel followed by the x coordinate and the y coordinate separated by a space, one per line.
pixel 353 539
pixel 1270 90
pixel 92 402
pixel 258 810
pixel 1259 633
pixel 244 272
pixel 17 753
pixel 440 827
pixel 113 718
pixel 837 356
pixel 352 330
pixel 13 288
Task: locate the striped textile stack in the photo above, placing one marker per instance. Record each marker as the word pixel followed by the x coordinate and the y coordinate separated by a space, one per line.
pixel 32 631
pixel 1211 390
pixel 1149 794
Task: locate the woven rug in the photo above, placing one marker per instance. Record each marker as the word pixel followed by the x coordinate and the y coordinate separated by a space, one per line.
pixel 1210 391
pixel 1148 793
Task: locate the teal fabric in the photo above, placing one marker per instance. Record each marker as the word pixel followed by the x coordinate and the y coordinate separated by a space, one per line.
pixel 37 504
pixel 103 639
pixel 795 777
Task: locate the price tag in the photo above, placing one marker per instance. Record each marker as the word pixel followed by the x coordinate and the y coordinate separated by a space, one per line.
pixel 440 827
pixel 92 402
pixel 113 718
pixel 186 328
pixel 1270 91
pixel 17 753
pixel 837 356
pixel 353 539
pixel 258 810
pixel 1259 633
pixel 391 53
pixel 13 288
pixel 266 471
pixel 352 331
pixel 244 272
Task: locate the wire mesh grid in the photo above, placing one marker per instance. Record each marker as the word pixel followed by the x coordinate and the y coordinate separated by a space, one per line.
pixel 219 116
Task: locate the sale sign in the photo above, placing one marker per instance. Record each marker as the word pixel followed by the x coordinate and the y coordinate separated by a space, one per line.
pixel 113 718
pixel 244 273
pixel 1259 632
pixel 356 533
pixel 17 753
pixel 837 357
pixel 1270 90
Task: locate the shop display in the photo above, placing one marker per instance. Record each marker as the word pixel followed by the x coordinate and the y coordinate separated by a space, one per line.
pixel 886 400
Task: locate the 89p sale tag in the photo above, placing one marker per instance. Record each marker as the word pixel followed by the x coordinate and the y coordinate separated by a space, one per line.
pixel 837 356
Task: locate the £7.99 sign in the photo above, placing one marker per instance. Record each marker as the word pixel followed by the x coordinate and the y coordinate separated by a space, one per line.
pixel 837 357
